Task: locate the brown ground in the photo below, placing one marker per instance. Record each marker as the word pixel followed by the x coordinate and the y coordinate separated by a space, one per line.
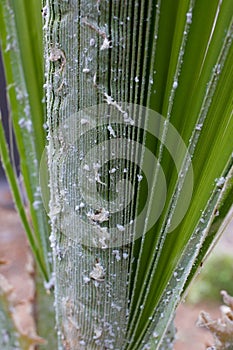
pixel 189 336
pixel 16 265
pixel 17 271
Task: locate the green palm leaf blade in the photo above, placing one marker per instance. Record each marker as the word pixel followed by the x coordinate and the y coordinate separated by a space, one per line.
pixel 173 243
pixel 185 75
pixel 21 48
pixel 21 45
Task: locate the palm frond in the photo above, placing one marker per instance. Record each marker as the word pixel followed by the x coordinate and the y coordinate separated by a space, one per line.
pixel 21 45
pixel 157 73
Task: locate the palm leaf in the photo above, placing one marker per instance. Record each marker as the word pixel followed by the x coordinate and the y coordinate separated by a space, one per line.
pixel 172 58
pixel 186 75
pixel 21 46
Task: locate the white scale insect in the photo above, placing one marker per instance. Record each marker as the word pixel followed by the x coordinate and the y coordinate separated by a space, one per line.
pixel 97 273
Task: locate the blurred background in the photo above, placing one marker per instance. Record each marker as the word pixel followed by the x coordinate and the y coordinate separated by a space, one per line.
pixel 5 197
pixel 3 105
pixel 204 294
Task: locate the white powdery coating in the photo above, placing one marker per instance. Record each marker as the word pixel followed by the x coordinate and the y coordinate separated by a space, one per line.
pixel 86 167
pixel 220 182
pixel 140 177
pixel 98 333
pixel 112 132
pixel 36 204
pixel 100 216
pixel 155 334
pixel 27 111
pixel 189 17
pixel 106 44
pixel 115 306
pixel 120 227
pixel 102 240
pixel 110 101
pixel 98 273
pixel 48 285
pixel 27 124
pixel 175 84
pixel 199 127
pixel 81 205
pixel 96 166
pixel 117 254
pixel 86 279
pixel 92 42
